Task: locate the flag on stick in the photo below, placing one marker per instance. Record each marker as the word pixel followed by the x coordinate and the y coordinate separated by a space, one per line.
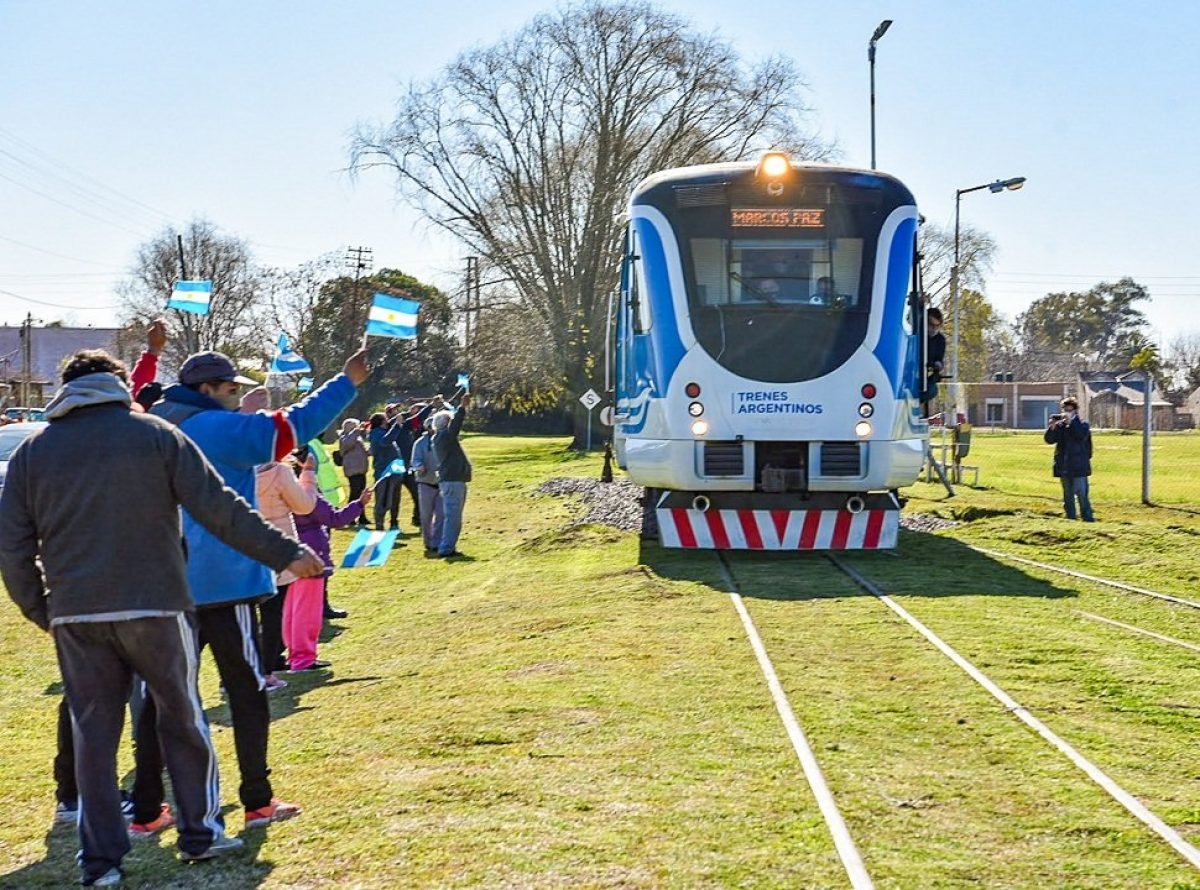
pixel 191 296
pixel 304 384
pixel 464 381
pixel 392 317
pixel 369 549
pixel 287 360
pixel 395 468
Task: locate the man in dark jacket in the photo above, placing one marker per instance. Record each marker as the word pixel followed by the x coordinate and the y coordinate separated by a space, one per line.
pixel 1072 441
pixel 114 595
pixel 454 472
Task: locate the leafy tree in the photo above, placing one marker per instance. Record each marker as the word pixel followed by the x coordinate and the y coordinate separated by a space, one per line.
pixel 526 150
pixel 1101 326
pixel 981 339
pixel 235 324
pixel 401 367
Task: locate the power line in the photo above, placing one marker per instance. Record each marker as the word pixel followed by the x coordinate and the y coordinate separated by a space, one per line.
pixel 13 138
pixel 69 206
pixel 9 293
pixel 61 256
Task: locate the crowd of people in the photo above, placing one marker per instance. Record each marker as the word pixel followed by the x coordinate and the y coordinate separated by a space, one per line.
pixel 218 538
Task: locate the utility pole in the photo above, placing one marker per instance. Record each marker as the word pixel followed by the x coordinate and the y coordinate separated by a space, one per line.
pixel 360 258
pixel 27 359
pixel 471 297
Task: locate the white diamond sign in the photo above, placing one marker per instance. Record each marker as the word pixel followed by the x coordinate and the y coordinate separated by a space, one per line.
pixel 590 399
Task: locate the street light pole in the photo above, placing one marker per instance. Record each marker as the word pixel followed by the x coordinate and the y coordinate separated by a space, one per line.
pixel 999 185
pixel 879 32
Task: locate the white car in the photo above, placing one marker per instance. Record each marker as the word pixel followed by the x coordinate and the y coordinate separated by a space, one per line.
pixel 11 436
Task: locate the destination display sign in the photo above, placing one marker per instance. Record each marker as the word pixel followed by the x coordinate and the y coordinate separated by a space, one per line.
pixel 778 217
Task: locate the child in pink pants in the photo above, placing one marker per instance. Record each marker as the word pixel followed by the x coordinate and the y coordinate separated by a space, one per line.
pixel 304 609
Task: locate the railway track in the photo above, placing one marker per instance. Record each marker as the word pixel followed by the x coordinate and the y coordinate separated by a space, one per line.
pixel 851 859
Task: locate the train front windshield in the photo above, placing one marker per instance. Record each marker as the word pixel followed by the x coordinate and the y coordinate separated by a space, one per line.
pixel 782 293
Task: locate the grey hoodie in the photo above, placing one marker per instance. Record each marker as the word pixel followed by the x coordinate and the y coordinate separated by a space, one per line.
pixel 96 496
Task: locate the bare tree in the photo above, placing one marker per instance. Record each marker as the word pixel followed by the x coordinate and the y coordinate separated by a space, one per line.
pixel 235 322
pixel 293 294
pixel 976 252
pixel 1183 363
pixel 526 150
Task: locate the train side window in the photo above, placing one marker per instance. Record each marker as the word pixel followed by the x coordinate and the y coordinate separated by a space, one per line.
pixel 639 302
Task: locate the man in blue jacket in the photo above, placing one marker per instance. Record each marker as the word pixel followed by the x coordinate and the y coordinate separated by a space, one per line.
pixel 225 584
pixel 1072 441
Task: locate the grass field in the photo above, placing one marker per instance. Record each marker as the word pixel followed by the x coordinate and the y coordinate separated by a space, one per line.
pixel 570 708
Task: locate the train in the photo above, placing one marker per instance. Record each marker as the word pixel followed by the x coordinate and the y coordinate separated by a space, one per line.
pixel 768 355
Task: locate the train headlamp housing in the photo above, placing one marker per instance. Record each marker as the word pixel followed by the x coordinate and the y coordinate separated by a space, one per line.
pixel 862 429
pixel 866 409
pixel 700 428
pixel 774 165
pixel 695 409
pixel 692 390
pixel 868 391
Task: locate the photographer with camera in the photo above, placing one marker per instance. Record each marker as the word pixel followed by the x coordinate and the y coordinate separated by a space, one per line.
pixel 1072 440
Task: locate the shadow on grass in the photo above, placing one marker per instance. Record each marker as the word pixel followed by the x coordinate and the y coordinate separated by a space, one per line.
pixel 149 863
pixel 922 565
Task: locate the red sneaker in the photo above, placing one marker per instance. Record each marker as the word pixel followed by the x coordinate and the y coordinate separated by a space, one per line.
pixel 275 811
pixel 163 821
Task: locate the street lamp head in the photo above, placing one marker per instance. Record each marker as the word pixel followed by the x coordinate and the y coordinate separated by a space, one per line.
pixel 1011 184
pixel 881 30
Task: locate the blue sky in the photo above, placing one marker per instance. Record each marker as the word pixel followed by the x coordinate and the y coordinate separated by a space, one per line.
pixel 241 112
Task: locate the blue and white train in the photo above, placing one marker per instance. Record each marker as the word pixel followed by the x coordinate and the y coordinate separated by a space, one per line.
pixel 769 355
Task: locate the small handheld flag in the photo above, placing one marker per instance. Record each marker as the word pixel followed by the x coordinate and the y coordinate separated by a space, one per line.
pixel 392 317
pixel 287 360
pixel 191 296
pixel 369 548
pixel 304 384
pixel 464 381
pixel 395 468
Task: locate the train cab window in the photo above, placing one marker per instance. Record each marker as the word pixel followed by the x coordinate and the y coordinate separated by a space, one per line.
pixel 798 273
pixel 639 299
pixel 780 303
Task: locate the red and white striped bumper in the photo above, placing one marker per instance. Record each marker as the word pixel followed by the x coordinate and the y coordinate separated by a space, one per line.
pixel 715 529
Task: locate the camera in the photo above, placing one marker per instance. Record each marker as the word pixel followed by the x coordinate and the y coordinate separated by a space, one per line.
pixel 1057 418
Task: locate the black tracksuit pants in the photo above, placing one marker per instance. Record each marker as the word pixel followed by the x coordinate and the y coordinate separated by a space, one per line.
pixel 231 631
pixel 98 661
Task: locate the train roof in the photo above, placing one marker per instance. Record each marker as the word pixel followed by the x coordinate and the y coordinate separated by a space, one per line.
pixel 717 174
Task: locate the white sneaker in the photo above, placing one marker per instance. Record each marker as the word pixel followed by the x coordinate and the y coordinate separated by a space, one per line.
pixel 222 845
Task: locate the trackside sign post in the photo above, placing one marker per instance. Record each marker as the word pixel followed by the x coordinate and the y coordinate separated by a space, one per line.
pixel 590 400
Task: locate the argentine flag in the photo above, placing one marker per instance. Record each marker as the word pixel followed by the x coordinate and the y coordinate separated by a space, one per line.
pixel 287 360
pixel 464 381
pixel 304 384
pixel 369 548
pixel 191 296
pixel 392 317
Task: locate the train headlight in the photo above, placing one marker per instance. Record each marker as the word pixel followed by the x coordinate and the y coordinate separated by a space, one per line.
pixel 695 409
pixel 866 409
pixel 775 164
pixel 868 391
pixel 700 428
pixel 862 429
pixel 692 390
